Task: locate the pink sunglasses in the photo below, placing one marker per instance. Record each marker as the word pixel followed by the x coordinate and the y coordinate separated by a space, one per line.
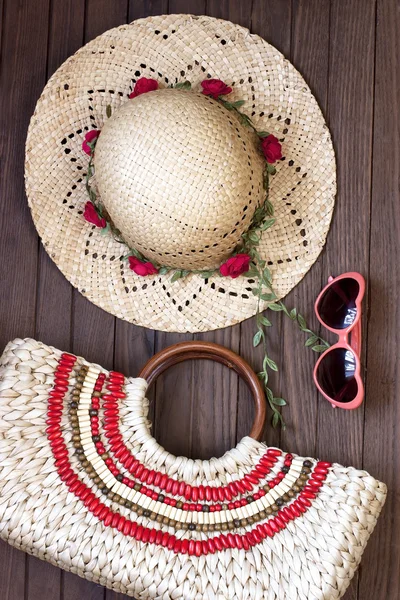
pixel 337 372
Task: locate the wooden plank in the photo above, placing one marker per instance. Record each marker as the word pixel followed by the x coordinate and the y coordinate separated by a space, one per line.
pixel 380 566
pixel 350 105
pixel 145 8
pixel 24 49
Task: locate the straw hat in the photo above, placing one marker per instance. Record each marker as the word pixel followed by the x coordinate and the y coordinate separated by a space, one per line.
pixel 178 174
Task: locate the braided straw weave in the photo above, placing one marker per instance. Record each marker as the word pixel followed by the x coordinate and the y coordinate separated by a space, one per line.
pixel 173 49
pixel 313 558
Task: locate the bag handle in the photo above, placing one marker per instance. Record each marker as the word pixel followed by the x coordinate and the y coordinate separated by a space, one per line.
pixel 195 349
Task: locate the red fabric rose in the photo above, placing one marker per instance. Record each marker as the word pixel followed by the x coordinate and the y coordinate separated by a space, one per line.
pixel 141 268
pixel 235 266
pixel 272 148
pixel 144 85
pixel 91 216
pixel 89 137
pixel 215 88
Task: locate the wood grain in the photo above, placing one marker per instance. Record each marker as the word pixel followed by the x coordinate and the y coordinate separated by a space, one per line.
pixel 348 52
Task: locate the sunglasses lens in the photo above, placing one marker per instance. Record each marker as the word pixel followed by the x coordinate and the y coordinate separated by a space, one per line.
pixel 336 375
pixel 337 306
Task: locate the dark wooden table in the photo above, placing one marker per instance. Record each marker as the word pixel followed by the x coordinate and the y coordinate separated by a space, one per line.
pixel 348 51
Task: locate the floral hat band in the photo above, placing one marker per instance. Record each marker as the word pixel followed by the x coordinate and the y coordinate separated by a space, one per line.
pixel 156 193
pixel 126 214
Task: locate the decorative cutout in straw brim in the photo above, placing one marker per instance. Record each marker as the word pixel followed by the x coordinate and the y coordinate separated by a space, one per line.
pixel 170 49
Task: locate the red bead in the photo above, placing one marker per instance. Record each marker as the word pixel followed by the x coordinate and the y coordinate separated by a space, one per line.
pixel 157 478
pixel 238 541
pixel 212 508
pixel 295 510
pixel 304 501
pixel 280 522
pixel 233 488
pixel 240 487
pixel 237 504
pixel 248 486
pixel 211 546
pixel 251 478
pixel 133 529
pixel 208 493
pixel 202 493
pixel 192 507
pixel 274 452
pixel 318 477
pixel 165 539
pixel 139 470
pixel 218 543
pixel 108 519
pixel 256 496
pixel 257 536
pixel 159 537
pixel 245 543
pixel 324 464
pixel 139 533
pixel 261 492
pixel 231 505
pixel 146 535
pixel 221 495
pixel 185 546
pixel 93 504
pixel 127 527
pixel 191 547
pixel 268 529
pixel 195 494
pixel 198 548
pixel 172 501
pixel 308 494
pixel 314 484
pixel 273 525
pixel 250 538
pixel 289 456
pixel 143 475
pixel 188 492
pixel 171 542
pixel 163 481
pixel 121 524
pixel 228 494
pixel 98 510
pixel 104 512
pixel 218 507
pixel 320 470
pixel 243 502
pixel 204 547
pixel 177 546
pixel 154 496
pixel 224 541
pixel 214 492
pixel 170 485
pixel 288 513
pixel 185 506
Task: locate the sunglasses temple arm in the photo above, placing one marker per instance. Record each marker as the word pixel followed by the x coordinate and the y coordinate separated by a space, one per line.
pixel 356 338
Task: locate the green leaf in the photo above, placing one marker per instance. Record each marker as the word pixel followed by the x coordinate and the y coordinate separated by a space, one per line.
pixel 275 419
pixel 264 321
pixel 320 348
pixel 253 237
pixel 257 338
pixel 261 375
pixel 293 313
pixel 177 275
pixel 136 253
pixel 238 103
pixel 271 169
pixel 251 274
pixel 302 321
pixel 108 111
pixel 311 341
pixel 267 275
pixel 183 85
pixel 268 297
pixel 272 364
pixel 279 402
pixel 163 270
pixel 262 134
pixel 268 223
pixel 206 274
pixel 270 395
pixel 275 307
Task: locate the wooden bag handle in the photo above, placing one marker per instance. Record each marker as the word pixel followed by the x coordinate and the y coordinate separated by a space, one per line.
pixel 192 350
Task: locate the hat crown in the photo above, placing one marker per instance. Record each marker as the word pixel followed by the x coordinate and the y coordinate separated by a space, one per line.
pixel 179 176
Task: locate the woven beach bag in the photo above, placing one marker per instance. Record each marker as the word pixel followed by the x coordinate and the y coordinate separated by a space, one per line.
pixel 85 486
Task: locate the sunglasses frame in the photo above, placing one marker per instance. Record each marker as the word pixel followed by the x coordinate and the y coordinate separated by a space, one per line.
pixel 354 345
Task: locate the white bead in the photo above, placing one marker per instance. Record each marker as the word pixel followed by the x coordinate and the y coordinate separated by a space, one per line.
pixel 173 514
pixel 217 516
pixel 240 512
pixel 212 518
pixel 179 515
pixel 206 518
pixel 163 509
pixel 193 517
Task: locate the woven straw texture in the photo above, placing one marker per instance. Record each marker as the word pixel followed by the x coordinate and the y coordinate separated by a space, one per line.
pixel 176 48
pixel 313 558
pixel 181 187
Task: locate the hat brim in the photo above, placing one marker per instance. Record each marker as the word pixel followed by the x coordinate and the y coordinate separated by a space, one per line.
pixel 175 48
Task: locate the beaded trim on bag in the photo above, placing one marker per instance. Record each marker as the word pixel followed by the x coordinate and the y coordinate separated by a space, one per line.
pixel 245 259
pixel 282 486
